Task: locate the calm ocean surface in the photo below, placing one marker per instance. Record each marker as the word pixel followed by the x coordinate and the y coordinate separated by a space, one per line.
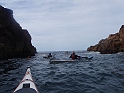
pixel 103 74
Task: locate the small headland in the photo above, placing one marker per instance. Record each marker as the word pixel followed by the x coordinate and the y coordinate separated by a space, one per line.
pixel 15 42
pixel 113 44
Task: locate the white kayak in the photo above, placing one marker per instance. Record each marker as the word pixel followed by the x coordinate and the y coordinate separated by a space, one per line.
pixel 52 61
pixel 70 60
pixel 27 84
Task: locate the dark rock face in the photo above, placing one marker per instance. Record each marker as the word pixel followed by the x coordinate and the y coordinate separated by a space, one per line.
pixel 113 44
pixel 14 41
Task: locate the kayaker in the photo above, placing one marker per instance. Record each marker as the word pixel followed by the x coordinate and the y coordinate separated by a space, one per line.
pixel 29 56
pixel 50 55
pixel 73 56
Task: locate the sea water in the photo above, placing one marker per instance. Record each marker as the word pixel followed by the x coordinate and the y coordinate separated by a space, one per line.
pixel 102 74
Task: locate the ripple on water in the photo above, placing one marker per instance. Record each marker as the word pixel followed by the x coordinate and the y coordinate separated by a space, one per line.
pixel 102 74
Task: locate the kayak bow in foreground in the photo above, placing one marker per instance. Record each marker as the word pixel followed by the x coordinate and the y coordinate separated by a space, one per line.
pixel 27 84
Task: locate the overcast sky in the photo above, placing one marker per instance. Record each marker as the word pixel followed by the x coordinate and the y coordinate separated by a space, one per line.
pixel 58 25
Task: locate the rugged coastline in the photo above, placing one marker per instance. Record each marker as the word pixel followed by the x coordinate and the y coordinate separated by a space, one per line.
pixel 113 44
pixel 15 42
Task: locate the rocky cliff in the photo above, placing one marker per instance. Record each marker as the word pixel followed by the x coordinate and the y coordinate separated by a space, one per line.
pixel 14 41
pixel 113 44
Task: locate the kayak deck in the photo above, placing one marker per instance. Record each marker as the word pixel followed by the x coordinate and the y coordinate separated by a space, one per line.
pixel 26 90
pixel 27 84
